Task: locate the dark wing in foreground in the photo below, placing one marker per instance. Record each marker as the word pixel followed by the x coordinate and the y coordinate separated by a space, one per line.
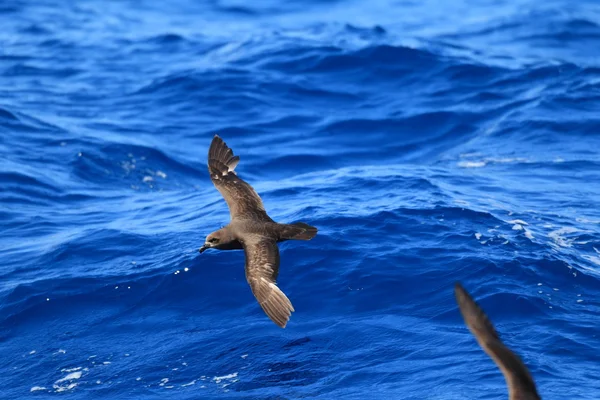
pixel 520 383
pixel 262 267
pixel 242 199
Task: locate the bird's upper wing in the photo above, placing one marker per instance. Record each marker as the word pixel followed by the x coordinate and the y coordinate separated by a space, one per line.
pixel 242 199
pixel 520 383
pixel 262 267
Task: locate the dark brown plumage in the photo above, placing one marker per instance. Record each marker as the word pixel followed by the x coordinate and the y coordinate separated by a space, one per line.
pixel 254 231
pixel 518 379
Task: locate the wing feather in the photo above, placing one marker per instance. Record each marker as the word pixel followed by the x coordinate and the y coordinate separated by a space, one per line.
pixel 520 383
pixel 262 268
pixel 241 198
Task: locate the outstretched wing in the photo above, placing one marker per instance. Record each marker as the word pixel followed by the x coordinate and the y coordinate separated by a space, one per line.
pixel 242 199
pixel 262 267
pixel 520 383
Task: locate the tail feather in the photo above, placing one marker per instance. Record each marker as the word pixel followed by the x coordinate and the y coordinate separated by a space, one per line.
pixel 298 231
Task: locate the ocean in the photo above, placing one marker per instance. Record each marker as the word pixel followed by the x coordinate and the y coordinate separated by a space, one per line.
pixel 430 142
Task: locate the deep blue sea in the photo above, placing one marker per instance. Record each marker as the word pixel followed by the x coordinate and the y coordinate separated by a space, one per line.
pixel 429 141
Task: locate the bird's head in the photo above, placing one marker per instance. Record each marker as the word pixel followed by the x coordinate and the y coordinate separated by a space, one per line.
pixel 211 241
pixel 218 240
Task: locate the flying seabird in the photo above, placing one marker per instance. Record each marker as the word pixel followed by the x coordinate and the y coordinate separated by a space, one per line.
pixel 518 379
pixel 251 229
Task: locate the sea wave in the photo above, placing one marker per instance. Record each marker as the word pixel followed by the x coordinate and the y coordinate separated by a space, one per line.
pixel 429 142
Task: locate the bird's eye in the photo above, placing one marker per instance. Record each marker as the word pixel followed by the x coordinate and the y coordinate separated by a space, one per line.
pixel 213 240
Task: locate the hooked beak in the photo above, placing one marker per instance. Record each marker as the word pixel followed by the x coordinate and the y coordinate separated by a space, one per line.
pixel 201 249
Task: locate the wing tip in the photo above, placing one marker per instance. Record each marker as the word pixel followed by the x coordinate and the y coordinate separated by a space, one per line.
pixel 283 324
pixel 277 307
pixel 461 294
pixel 474 316
pixel 221 157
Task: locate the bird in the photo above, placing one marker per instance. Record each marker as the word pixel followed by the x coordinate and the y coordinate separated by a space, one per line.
pixel 521 385
pixel 250 228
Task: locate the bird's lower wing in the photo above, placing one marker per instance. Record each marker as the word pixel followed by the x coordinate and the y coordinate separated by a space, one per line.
pixel 262 267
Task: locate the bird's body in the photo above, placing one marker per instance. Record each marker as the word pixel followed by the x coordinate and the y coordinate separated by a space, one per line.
pixel 252 230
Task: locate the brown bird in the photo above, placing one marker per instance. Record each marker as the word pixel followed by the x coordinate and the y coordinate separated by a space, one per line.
pixel 518 379
pixel 251 229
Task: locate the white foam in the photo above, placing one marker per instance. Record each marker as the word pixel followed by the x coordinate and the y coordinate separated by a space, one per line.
pixel 106 363
pixel 163 381
pixel 147 179
pixel 71 376
pixel 37 388
pixel 492 160
pixel 594 259
pixel 518 221
pixel 557 236
pixel 244 356
pixel 588 221
pixel 189 384
pixel 472 164
pixel 528 234
pixel 508 160
pixel 70 369
pixel 478 236
pixel 161 174
pixel 517 227
pixel 65 388
pixel 32 352
pixel 218 379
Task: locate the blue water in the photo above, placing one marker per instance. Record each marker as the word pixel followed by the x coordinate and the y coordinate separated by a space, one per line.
pixel 429 141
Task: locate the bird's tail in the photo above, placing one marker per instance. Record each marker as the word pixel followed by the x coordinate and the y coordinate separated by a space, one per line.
pixel 297 231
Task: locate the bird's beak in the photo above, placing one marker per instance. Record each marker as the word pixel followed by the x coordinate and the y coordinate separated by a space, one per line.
pixel 201 249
